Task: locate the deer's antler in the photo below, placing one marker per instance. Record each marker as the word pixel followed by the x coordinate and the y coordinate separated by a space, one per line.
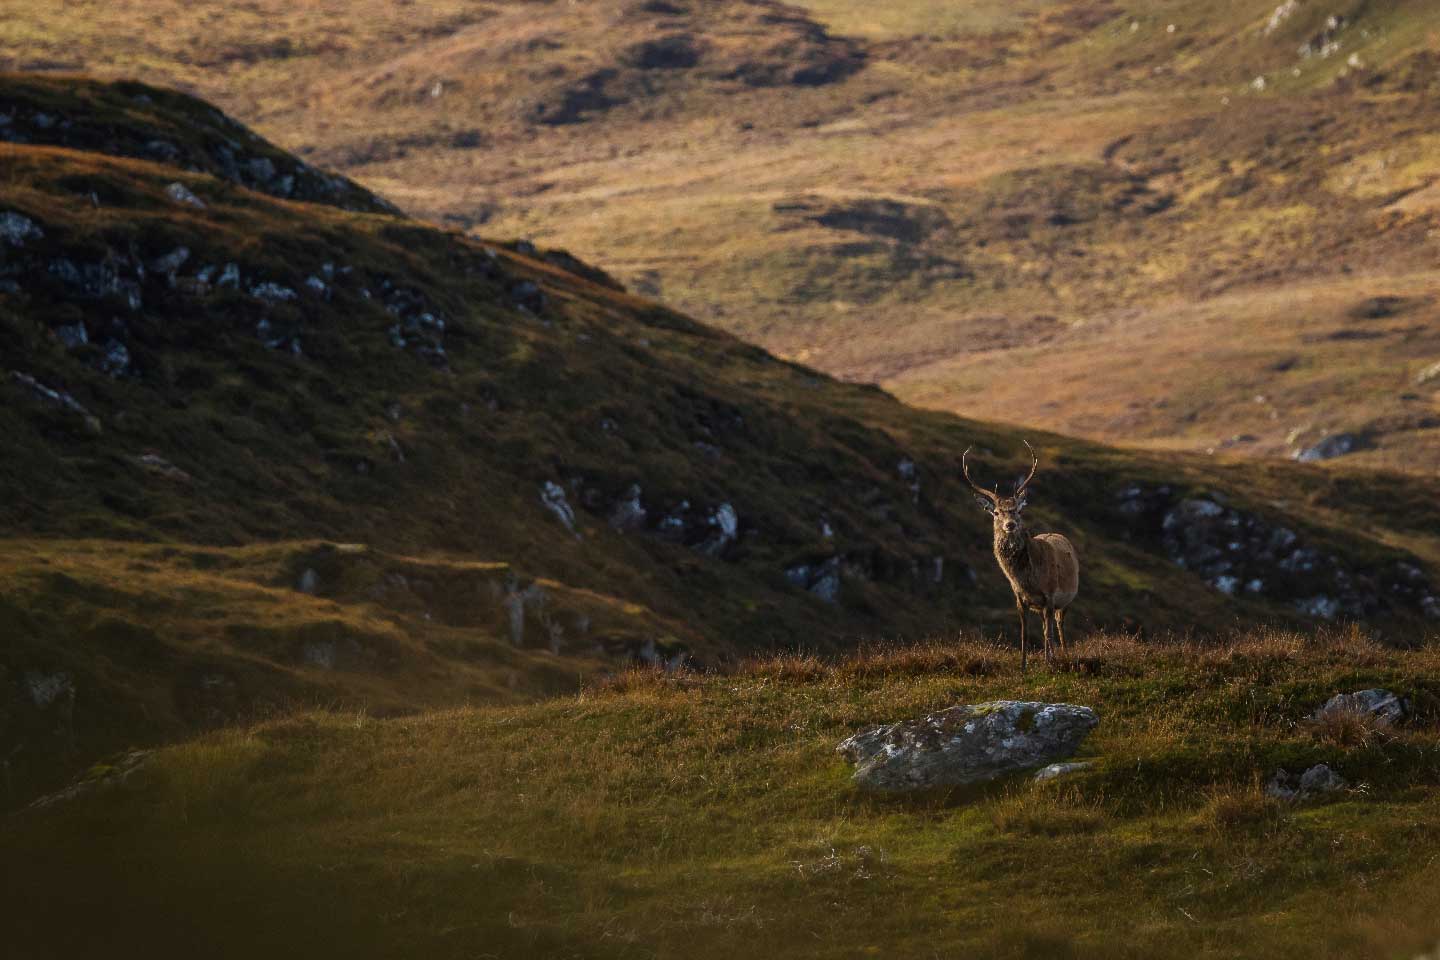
pixel 993 497
pixel 1034 465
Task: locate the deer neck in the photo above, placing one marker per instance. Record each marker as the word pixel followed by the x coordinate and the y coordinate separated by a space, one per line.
pixel 1013 552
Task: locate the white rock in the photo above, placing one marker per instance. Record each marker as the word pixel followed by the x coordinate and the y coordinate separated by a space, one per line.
pixel 552 495
pixel 1061 769
pixel 181 194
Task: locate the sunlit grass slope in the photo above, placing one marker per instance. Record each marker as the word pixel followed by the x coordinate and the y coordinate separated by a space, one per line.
pixel 709 816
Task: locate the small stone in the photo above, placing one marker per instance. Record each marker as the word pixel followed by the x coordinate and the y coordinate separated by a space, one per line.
pixel 1061 769
pixel 1319 605
pixel 1291 787
pixel 172 261
pixel 46 688
pixel 273 292
pixel 309 582
pixel 629 512
pixel 1320 779
pixel 156 464
pixel 826 584
pixel 528 296
pixel 262 169
pixel 15 229
pixel 1336 445
pixel 73 335
pixel 552 495
pixel 182 195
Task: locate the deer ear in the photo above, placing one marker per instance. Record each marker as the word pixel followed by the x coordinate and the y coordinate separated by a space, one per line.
pixel 1021 503
pixel 985 504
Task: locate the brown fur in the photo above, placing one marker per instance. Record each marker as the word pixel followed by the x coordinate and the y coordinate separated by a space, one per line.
pixel 1043 570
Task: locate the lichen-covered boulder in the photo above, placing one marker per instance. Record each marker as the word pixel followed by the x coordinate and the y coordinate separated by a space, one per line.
pixel 966 744
pixel 1381 706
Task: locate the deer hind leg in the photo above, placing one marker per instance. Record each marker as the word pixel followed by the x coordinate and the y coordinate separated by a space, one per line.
pixel 1020 608
pixel 1060 627
pixel 1048 613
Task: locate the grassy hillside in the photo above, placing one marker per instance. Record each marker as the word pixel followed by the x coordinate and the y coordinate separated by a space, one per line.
pixel 988 208
pixel 264 451
pixel 665 816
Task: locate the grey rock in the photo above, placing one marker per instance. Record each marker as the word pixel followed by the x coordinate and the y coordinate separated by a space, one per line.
pixel 1335 445
pixel 153 463
pixel 527 295
pixel 966 744
pixel 92 422
pixel 1320 779
pixel 262 169
pixel 552 495
pixel 116 359
pixel 1327 608
pixel 229 276
pixel 73 335
pixel 46 688
pixel 1315 780
pixel 309 581
pixel 273 292
pixel 910 474
pixel 181 194
pixel 114 773
pixel 1056 770
pixel 1384 707
pixel 826 584
pixel 172 261
pixel 725 524
pixel 16 229
pixel 320 653
pixel 629 512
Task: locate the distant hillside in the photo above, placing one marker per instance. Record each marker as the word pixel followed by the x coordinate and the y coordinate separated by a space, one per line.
pixel 1199 226
pixel 264 451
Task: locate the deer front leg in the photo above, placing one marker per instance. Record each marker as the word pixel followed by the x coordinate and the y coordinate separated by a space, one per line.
pixel 1060 627
pixel 1020 608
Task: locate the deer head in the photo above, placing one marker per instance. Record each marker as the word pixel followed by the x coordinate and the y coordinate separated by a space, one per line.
pixel 1006 511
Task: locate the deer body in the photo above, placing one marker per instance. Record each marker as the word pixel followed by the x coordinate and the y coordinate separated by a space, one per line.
pixel 1043 570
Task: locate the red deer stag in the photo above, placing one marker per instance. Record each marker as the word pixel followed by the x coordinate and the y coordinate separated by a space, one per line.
pixel 1043 570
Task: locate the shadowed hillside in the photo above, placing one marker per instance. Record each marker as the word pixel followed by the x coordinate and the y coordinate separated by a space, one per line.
pixel 263 451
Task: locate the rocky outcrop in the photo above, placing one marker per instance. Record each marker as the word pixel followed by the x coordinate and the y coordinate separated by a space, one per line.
pixel 1313 782
pixel 1241 553
pixel 966 744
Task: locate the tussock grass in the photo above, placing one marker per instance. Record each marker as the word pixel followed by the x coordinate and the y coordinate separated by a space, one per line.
pixel 704 814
